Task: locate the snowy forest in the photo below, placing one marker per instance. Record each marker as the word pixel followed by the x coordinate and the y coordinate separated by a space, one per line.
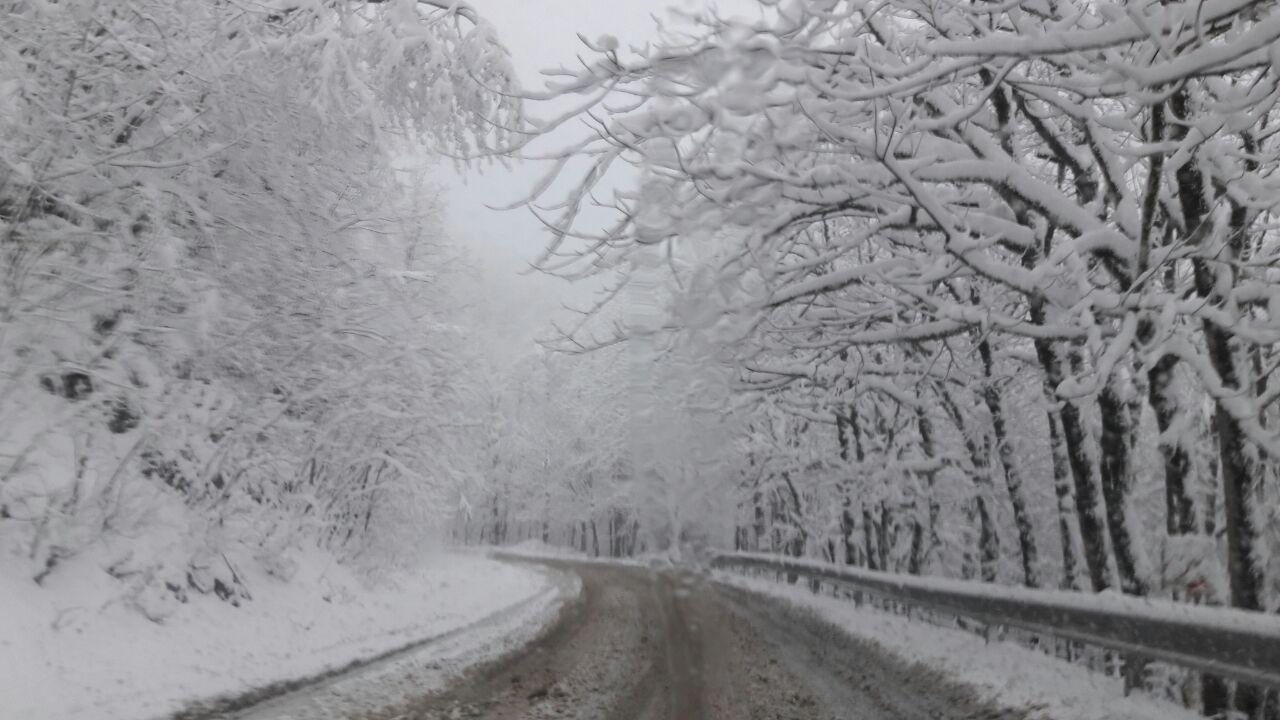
pixel 982 290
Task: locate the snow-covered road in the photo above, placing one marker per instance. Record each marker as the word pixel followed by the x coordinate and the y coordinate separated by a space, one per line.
pixel 649 645
pixel 618 641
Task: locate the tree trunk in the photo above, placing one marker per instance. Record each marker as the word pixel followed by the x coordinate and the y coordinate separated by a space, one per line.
pixel 916 559
pixel 1074 436
pixel 843 426
pixel 1062 489
pixel 1236 456
pixel 612 533
pixel 1116 469
pixel 847 529
pixel 920 549
pixel 988 536
pixel 883 542
pixel 1237 471
pixel 851 555
pixel 1013 480
pixel 1081 464
pixel 1180 516
pixel 760 526
pixel 869 540
pixel 988 543
pixel 800 538
pixel 1243 568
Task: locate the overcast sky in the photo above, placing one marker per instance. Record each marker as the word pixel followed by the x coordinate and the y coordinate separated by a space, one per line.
pixel 540 34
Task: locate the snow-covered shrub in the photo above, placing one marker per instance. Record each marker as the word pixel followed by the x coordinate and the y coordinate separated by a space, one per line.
pixel 214 345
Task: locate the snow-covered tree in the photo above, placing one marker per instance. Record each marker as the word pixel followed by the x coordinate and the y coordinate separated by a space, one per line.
pixel 225 304
pixel 1015 260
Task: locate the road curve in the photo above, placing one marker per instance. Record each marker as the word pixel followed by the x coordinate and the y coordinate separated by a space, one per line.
pixel 669 645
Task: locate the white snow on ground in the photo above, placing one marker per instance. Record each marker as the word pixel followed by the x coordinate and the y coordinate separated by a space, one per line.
pixel 426 669
pixel 538 550
pixel 1008 674
pixel 74 650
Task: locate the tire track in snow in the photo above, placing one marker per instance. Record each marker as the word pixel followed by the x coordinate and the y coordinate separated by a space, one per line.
pixel 643 644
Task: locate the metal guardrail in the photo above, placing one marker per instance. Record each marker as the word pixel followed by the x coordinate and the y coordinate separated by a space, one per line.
pixel 1234 644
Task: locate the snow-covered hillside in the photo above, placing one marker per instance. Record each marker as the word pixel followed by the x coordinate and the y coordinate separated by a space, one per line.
pixel 75 649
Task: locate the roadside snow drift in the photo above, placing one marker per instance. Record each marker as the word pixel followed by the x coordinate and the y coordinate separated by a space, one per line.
pixel 74 650
pixel 1008 674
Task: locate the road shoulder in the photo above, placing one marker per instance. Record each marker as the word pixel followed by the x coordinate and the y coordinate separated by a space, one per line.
pixel 1007 675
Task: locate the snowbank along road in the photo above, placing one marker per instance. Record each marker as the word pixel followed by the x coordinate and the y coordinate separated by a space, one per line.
pixel 670 645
